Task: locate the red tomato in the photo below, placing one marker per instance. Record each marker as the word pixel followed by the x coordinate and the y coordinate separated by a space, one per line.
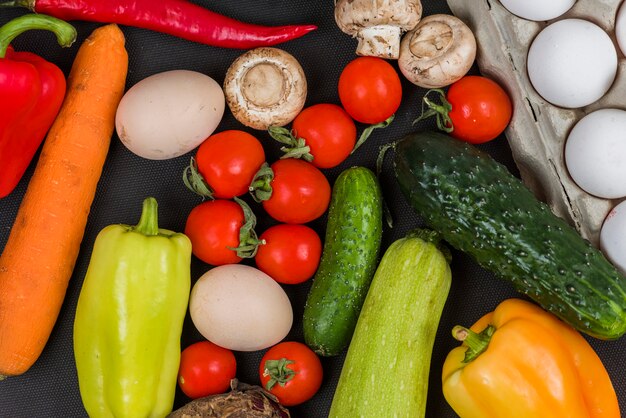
pixel 481 109
pixel 300 192
pixel 206 369
pixel 228 162
pixel 370 89
pixel 295 382
pixel 291 253
pixel 213 226
pixel 329 131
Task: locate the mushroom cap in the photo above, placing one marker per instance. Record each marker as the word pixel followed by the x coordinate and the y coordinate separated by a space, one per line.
pixel 438 52
pixel 353 15
pixel 265 87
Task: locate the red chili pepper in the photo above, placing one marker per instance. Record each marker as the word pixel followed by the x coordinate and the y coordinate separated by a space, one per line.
pixel 31 91
pixel 175 17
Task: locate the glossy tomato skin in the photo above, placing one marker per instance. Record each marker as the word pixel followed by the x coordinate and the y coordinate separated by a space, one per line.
pixel 206 369
pixel 308 372
pixel 228 162
pixel 212 227
pixel 300 192
pixel 481 109
pixel 329 131
pixel 290 254
pixel 370 89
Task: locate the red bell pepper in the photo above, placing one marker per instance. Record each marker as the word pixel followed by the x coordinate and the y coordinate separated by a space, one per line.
pixel 31 91
pixel 180 18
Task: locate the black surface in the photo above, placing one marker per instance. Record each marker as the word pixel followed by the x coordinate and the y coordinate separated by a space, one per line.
pixel 50 389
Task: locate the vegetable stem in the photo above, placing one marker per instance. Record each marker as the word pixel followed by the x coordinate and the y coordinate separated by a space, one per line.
pixel 278 372
pixel 476 343
pixel 65 33
pixel 149 221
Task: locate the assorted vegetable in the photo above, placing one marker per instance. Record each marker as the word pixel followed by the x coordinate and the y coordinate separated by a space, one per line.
pixel 349 259
pixel 480 208
pixel 475 109
pixel 129 318
pixel 32 90
pixel 39 256
pixel 383 313
pixel 521 356
pixel 388 362
pixel 180 18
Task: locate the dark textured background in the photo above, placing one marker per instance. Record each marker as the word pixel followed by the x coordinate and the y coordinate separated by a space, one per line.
pixel 50 389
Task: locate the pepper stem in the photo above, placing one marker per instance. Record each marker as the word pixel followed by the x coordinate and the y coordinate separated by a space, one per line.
pixel 476 343
pixel 65 33
pixel 278 372
pixel 149 221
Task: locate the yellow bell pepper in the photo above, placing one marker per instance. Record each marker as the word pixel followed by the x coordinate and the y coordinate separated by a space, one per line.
pixel 520 361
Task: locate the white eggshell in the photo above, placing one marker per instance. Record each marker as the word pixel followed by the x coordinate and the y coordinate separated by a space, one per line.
pixel 572 63
pixel 620 28
pixel 613 236
pixel 240 308
pixel 169 114
pixel 595 153
pixel 538 10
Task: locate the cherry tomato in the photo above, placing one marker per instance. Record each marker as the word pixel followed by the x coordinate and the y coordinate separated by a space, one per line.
pixel 329 131
pixel 291 253
pixel 292 372
pixel 213 226
pixel 206 369
pixel 481 109
pixel 300 192
pixel 228 162
pixel 370 89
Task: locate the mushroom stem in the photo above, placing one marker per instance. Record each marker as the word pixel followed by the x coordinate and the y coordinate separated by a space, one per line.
pixel 379 41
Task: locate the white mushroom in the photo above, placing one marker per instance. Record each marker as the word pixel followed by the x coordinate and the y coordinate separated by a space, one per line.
pixel 438 52
pixel 377 24
pixel 265 87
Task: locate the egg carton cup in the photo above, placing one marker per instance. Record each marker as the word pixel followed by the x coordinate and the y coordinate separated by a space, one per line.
pixel 538 130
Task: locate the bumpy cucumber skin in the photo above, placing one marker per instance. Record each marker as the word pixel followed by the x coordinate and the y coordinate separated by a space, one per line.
pixel 387 367
pixel 480 208
pixel 349 260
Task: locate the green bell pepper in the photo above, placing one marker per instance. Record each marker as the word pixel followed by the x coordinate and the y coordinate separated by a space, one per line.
pixel 129 319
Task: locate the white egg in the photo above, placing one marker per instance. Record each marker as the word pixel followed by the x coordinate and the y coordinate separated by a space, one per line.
pixel 538 10
pixel 595 153
pixel 169 114
pixel 240 308
pixel 572 63
pixel 613 236
pixel 620 28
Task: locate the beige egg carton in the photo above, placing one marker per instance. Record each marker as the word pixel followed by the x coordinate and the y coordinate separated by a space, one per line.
pixel 538 130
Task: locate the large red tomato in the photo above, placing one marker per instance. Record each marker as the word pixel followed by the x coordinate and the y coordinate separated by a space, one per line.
pixel 370 89
pixel 292 372
pixel 228 162
pixel 206 369
pixel 328 131
pixel 290 253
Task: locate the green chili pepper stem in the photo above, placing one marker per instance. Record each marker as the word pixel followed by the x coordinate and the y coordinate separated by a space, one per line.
pixel 149 221
pixel 476 343
pixel 65 33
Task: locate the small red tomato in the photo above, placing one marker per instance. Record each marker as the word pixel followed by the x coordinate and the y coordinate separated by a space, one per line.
pixel 370 89
pixel 291 253
pixel 300 192
pixel 206 369
pixel 228 162
pixel 213 229
pixel 292 372
pixel 329 132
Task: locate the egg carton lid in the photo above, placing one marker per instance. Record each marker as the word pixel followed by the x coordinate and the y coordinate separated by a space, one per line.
pixel 538 129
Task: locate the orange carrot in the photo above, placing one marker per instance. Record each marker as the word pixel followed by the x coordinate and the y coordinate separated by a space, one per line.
pixel 39 257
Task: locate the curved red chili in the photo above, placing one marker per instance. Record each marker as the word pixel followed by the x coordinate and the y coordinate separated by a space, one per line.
pixel 179 18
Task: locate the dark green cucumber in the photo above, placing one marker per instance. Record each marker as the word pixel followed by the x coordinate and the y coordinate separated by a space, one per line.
pixel 349 260
pixel 480 208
